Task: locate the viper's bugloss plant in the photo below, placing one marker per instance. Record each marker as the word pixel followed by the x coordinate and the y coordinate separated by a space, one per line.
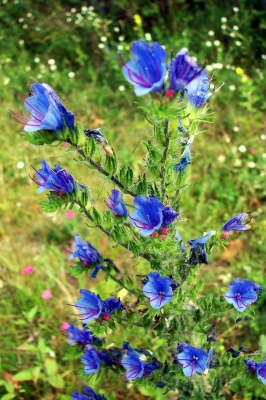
pixel 167 301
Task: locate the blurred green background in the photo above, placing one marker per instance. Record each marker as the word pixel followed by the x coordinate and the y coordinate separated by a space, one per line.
pixel 73 46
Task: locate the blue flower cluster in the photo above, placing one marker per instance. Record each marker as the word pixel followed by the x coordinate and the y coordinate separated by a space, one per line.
pixel 46 111
pixel 192 359
pixel 88 394
pixel 87 254
pixel 259 368
pixel 147 72
pixel 198 250
pixel 91 306
pixel 56 179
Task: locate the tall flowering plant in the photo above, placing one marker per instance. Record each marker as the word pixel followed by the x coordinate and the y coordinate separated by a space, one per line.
pixel 167 301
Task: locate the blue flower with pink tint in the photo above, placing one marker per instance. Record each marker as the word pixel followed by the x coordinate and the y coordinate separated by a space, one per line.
pixel 111 305
pixel 88 394
pixel 89 305
pixel 183 69
pixel 134 366
pixel 147 216
pixel 116 203
pixel 198 89
pixel 147 69
pixel 259 368
pixel 198 251
pixel 235 223
pixel 91 360
pixel 56 179
pixel 45 109
pixel 158 289
pixel 85 251
pixel 192 359
pixel 242 293
pixel 76 335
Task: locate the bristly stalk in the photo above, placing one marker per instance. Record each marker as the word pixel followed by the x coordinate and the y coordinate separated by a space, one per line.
pixel 164 158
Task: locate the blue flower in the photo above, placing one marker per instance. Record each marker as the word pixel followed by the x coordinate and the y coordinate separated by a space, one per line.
pixel 134 366
pixel 184 161
pixel 234 224
pixel 147 69
pixel 197 89
pixel 45 109
pixel 88 394
pixel 260 369
pixel 56 179
pixel 112 304
pixel 85 251
pixel 80 336
pixel 116 203
pixel 242 293
pixel 198 250
pixel 148 214
pixel 158 289
pixel 192 359
pixel 183 69
pixel 169 215
pixel 91 360
pixel 90 305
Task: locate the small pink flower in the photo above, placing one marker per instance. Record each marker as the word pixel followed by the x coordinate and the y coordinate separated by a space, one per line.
pixel 163 238
pixel 252 151
pixel 64 326
pixel 154 234
pixel 106 317
pixel 47 294
pixel 27 270
pixel 66 145
pixel 70 214
pixel 169 93
pixel 225 235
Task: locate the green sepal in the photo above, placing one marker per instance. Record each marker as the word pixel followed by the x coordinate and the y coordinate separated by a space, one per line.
pixel 96 216
pixel 110 164
pixel 38 138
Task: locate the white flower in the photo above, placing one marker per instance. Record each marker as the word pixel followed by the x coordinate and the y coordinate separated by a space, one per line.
pixel 121 38
pixel 37 28
pixel 263 137
pixel 232 88
pixel 217 65
pixel 251 164
pixel 68 19
pixel 232 34
pixel 36 59
pixel 264 155
pixel 217 42
pixel 224 19
pixel 39 76
pixel 29 15
pixel 209 68
pixel 51 61
pixel 211 33
pixel 103 39
pixel 73 10
pixel 223 27
pixel 148 36
pixel 208 43
pixel 28 68
pixel 120 47
pixel 25 26
pixel 221 158
pixel 236 129
pixel 21 20
pixel 101 46
pixel 242 148
pixel 121 88
pixel 116 29
pixel 71 74
pixel 6 80
pixel 238 43
pixel 21 42
pixel 84 9
pixel 263 56
pixel 235 27
pixel 20 164
pixel 237 163
pixel 53 67
pixel 235 9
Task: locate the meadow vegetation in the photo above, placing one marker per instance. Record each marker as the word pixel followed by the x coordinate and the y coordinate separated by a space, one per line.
pixel 73 46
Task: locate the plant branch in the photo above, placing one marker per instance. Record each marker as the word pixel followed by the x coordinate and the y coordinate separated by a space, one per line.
pixel 102 171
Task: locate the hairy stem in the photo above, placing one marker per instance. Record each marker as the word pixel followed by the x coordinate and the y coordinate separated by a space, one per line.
pixel 164 158
pixel 102 171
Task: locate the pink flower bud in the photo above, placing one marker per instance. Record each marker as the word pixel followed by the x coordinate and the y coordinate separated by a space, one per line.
pixel 163 238
pixel 64 326
pixel 47 294
pixel 225 235
pixel 70 214
pixel 164 231
pixel 27 270
pixel 106 317
pixel 154 234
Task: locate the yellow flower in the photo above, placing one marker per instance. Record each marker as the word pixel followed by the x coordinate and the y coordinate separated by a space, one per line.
pixel 127 47
pixel 244 78
pixel 221 348
pixel 137 19
pixel 239 71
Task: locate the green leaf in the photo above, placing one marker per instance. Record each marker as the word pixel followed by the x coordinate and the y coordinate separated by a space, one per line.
pixel 50 366
pixel 31 313
pixel 29 374
pixel 56 381
pixel 96 216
